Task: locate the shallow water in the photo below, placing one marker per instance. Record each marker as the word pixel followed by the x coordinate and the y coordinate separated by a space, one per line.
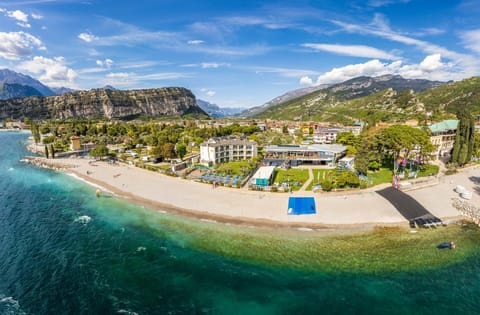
pixel 63 251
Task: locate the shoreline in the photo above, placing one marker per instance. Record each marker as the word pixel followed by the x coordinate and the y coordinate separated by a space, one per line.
pixel 358 211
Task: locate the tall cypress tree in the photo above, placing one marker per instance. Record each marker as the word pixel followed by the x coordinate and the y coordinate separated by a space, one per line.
pixel 464 139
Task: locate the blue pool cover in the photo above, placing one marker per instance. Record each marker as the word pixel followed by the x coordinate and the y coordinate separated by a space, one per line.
pixel 301 205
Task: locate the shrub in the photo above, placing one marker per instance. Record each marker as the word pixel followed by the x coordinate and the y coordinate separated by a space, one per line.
pixel 451 171
pixel 327 185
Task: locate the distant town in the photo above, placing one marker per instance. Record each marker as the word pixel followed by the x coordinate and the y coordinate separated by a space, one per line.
pixel 267 155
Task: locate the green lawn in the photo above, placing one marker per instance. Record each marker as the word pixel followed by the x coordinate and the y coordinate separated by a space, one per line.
pixel 384 175
pixel 295 176
pixel 242 168
pixel 429 170
pixel 318 176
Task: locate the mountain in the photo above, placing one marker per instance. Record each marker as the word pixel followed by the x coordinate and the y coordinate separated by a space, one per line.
pixel 9 76
pixel 172 101
pixel 216 111
pixel 61 90
pixel 453 96
pixel 363 86
pixel 281 99
pixel 322 104
pixel 13 90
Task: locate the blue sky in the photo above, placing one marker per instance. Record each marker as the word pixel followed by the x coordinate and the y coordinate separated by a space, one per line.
pixel 237 53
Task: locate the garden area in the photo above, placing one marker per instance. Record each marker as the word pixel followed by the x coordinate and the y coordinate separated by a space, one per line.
pixel 328 179
pixel 292 178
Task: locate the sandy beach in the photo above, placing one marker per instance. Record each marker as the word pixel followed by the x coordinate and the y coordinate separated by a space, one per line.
pixel 200 200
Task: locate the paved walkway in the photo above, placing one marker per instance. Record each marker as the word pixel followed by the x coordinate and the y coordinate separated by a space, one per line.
pixel 408 207
pixel 309 180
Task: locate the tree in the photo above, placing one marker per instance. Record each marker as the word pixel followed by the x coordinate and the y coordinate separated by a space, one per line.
pixel 463 147
pixel 347 138
pixel 99 151
pixel 168 150
pixel 350 140
pixel 401 140
pixel 476 145
pixel 157 152
pixel 35 132
pixel 52 151
pixel 181 150
pixel 46 152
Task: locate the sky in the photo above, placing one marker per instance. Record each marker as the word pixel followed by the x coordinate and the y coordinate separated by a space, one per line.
pixel 237 53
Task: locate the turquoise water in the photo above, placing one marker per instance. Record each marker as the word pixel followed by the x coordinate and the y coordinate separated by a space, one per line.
pixel 63 251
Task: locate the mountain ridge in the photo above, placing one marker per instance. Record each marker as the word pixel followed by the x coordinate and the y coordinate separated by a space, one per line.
pixel 169 101
pixel 216 111
pixel 14 90
pixel 314 105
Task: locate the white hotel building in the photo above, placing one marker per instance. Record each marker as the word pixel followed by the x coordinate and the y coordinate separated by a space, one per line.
pixel 227 149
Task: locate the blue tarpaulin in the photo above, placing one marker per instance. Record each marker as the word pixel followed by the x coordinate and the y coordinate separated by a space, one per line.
pixel 301 205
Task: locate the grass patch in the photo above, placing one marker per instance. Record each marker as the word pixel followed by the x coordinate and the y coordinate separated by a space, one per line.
pixel 241 168
pixel 384 175
pixel 295 177
pixel 318 176
pixel 428 170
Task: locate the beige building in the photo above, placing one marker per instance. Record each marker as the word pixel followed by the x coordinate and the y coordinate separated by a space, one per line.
pixel 443 137
pixel 226 149
pixel 75 143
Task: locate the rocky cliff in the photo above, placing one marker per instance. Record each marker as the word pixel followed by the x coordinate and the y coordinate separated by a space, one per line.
pixel 106 103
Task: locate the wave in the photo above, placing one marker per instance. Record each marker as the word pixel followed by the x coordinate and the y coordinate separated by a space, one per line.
pixel 84 219
pixel 127 312
pixel 11 169
pixel 103 189
pixel 141 249
pixel 8 305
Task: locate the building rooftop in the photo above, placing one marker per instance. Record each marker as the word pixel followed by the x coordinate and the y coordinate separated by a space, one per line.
pixel 263 172
pixel 334 148
pixel 446 125
pixel 228 140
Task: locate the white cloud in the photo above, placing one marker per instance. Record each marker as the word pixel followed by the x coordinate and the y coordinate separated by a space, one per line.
pixel 465 65
pixel 53 72
pixel 132 79
pixel 306 81
pixel 352 50
pixel 107 63
pixel 121 75
pixel 432 63
pixel 431 68
pixel 36 16
pixel 382 3
pixel 195 42
pixel 15 45
pixel 87 37
pixel 25 25
pixel 369 68
pixel 18 15
pixel 207 65
pixel 285 72
pixel 208 92
pixel 471 40
pixel 380 27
